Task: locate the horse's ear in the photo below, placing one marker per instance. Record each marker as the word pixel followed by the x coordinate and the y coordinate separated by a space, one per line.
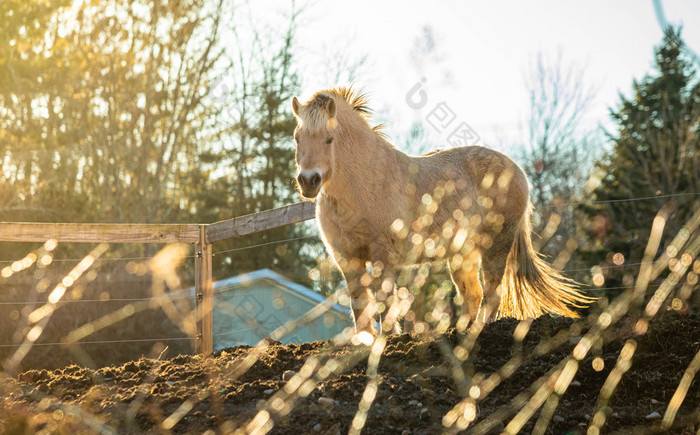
pixel 295 106
pixel 330 108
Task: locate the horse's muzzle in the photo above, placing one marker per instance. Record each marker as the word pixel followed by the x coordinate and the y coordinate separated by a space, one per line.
pixel 310 184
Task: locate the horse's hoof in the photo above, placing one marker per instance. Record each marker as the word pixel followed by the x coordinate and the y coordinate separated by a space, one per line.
pixel 363 337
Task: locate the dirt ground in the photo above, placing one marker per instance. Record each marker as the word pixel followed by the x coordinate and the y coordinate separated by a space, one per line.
pixel 416 386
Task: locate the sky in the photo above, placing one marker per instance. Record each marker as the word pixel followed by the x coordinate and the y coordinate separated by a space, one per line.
pixel 478 55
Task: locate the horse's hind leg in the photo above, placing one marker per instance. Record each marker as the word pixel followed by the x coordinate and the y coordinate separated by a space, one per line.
pixel 493 267
pixel 466 278
pixel 493 275
pixel 388 300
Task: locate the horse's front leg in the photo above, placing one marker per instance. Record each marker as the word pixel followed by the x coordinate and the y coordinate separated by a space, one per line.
pixel 362 300
pixel 373 293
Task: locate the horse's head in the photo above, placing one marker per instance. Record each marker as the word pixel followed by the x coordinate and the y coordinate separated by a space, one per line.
pixel 314 136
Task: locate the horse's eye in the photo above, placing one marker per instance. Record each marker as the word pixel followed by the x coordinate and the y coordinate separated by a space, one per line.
pixel 329 140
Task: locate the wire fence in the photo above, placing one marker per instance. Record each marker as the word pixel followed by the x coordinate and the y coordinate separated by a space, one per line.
pixel 135 340
pixel 188 295
pixel 311 236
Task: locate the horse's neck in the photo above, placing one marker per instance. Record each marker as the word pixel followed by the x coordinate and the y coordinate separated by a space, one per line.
pixel 363 171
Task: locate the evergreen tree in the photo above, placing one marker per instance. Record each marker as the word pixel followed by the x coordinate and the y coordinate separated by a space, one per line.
pixel 254 166
pixel 654 162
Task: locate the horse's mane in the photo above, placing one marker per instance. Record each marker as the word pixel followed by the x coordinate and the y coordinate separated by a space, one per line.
pixel 357 100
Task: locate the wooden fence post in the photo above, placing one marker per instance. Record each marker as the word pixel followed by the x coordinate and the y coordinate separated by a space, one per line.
pixel 204 294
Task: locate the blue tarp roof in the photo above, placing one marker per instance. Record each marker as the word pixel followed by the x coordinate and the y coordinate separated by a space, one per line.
pixel 261 274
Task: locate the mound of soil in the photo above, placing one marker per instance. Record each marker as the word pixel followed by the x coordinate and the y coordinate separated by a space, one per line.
pixel 319 387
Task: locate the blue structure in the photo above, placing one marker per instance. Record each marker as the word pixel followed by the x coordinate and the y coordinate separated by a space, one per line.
pixel 250 306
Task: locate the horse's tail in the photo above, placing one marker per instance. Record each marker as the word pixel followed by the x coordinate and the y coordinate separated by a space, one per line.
pixel 531 287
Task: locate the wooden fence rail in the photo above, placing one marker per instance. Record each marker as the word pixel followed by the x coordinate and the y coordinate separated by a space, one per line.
pixel 98 233
pixel 201 235
pixel 263 221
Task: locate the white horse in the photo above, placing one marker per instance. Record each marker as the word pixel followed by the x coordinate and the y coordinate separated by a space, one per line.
pixel 468 206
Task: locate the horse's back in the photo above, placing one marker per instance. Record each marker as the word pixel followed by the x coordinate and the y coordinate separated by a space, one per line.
pixel 482 167
pixel 483 182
